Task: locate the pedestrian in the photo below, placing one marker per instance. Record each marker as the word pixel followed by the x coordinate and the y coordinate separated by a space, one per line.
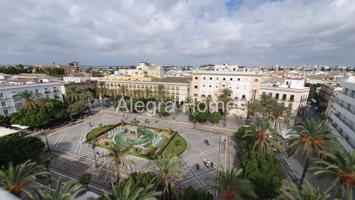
pixel 211 164
pixel 197 166
pixel 205 161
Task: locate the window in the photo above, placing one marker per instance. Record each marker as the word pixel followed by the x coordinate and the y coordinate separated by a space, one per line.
pixel 238 79
pixel 6 112
pixel 256 80
pixel 231 79
pixel 292 97
pixel 203 85
pixel 1 95
pixel 210 78
pixel 224 79
pixel 210 86
pixel 284 97
pixel 290 105
pixel 263 94
pixel 196 78
pixel 196 86
pixel 243 97
pixel 277 96
pixel 270 94
pixel 3 104
pixel 217 78
pixel 204 78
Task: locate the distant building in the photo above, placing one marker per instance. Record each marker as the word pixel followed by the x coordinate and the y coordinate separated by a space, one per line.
pixel 291 92
pixel 144 69
pixel 72 67
pixel 77 77
pixel 342 119
pixel 9 105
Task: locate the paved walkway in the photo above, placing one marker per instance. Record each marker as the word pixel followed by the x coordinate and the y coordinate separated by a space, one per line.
pixel 74 158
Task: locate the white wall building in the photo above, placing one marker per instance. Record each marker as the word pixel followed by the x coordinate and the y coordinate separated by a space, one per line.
pixel 291 92
pixel 245 86
pixel 342 119
pixel 9 105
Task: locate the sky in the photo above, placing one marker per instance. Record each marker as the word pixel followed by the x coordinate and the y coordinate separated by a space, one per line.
pixel 178 32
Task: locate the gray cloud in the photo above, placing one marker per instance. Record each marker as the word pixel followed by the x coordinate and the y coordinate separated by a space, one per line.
pixel 177 32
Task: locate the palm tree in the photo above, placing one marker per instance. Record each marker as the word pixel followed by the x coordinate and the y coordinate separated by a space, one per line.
pixel 265 106
pixel 226 99
pixel 208 102
pixel 308 192
pixel 168 171
pixel 18 179
pixel 63 191
pixel 116 153
pixel 188 102
pixel 73 94
pixel 43 105
pixel 28 98
pixel 252 107
pixel 102 90
pixel 280 112
pixel 161 92
pixel 265 138
pixel 128 190
pixel 232 186
pixel 311 138
pixel 123 90
pixel 341 167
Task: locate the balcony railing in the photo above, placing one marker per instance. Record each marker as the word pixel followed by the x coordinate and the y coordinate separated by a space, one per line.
pixel 344 120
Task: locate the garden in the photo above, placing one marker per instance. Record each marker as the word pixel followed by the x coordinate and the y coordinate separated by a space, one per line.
pixel 143 141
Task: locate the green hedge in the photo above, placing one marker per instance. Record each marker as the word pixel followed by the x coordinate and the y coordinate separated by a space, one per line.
pixel 176 147
pixel 96 132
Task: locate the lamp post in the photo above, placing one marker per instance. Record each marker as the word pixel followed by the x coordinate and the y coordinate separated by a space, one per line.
pixel 44 132
pixel 93 148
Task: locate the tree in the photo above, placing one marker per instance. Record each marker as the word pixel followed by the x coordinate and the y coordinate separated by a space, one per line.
pixel 128 190
pixel 78 108
pixel 232 186
pixel 17 149
pixel 208 102
pixel 116 153
pixel 161 92
pixel 102 90
pixel 28 98
pixel 280 113
pixel 308 192
pixel 225 98
pixel 63 191
pixel 252 107
pixel 341 167
pixel 214 117
pixel 18 179
pixel 189 102
pixel 264 137
pixel 5 121
pixel 168 169
pixel 311 138
pixel 192 194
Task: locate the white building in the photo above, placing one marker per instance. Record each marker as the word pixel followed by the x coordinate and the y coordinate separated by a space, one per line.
pixel 245 86
pixel 9 105
pixel 342 119
pixel 291 92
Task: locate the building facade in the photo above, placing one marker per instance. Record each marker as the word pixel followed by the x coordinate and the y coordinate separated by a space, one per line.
pixel 144 69
pixel 342 120
pixel 292 93
pixel 9 104
pixel 176 88
pixel 245 86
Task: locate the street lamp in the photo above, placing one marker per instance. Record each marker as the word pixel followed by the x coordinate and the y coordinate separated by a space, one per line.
pixel 93 148
pixel 44 132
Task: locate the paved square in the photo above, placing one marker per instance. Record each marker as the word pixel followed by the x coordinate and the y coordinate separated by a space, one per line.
pixel 70 141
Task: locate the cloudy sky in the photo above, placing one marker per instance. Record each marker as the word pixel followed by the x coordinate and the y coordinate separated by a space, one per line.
pixel 119 32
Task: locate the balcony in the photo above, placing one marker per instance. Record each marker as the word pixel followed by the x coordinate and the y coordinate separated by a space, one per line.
pixel 47 92
pixel 343 132
pixel 344 109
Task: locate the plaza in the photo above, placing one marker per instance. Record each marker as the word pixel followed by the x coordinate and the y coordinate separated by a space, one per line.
pixel 74 157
